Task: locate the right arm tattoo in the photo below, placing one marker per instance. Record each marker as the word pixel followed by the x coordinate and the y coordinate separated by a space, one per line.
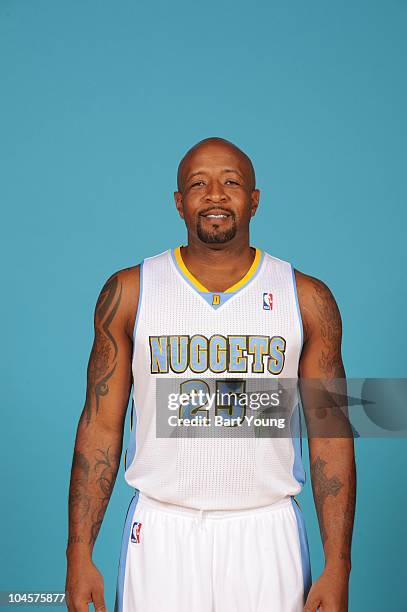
pixel 103 358
pixel 98 445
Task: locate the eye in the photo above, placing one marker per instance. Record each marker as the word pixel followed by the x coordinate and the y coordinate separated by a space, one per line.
pixel 198 183
pixel 232 181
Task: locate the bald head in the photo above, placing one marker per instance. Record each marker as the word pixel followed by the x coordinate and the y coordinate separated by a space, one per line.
pixel 217 145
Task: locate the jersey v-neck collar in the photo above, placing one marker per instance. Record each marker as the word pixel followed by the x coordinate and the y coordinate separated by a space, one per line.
pixel 216 299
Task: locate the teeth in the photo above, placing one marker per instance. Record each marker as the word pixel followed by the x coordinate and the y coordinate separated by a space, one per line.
pixel 216 216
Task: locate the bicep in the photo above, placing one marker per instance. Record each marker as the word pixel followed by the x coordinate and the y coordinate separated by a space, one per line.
pixel 321 355
pixel 109 366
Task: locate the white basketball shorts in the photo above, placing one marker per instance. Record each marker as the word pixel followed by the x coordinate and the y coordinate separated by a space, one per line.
pixel 175 559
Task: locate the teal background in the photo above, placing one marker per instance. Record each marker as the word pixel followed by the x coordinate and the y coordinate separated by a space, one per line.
pixel 99 100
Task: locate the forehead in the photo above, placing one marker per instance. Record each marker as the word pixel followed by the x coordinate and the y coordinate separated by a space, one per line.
pixel 215 157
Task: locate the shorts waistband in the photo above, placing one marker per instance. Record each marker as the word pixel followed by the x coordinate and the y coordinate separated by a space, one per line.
pixel 145 500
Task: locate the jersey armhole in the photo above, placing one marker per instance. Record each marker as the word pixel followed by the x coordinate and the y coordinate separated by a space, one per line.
pixel 298 307
pixel 139 305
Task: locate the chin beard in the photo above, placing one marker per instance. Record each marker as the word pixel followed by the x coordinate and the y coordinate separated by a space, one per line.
pixel 216 236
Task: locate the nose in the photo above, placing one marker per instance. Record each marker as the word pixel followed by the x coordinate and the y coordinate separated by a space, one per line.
pixel 215 192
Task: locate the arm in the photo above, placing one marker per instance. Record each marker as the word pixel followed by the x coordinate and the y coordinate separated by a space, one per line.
pixel 99 436
pixel 332 461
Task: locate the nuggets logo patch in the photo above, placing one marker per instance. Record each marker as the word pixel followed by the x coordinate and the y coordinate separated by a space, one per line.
pixel 267 301
pixel 135 532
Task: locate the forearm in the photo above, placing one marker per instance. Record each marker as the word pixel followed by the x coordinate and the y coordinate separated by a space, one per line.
pixel 333 477
pixel 95 464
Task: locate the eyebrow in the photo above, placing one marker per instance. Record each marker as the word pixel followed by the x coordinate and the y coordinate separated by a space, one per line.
pixel 224 170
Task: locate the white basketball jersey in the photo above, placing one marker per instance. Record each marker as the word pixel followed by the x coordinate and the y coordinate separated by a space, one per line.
pixel 188 337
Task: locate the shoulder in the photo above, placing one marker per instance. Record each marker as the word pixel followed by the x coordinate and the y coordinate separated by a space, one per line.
pixel 119 297
pixel 122 282
pixel 319 310
pixel 311 288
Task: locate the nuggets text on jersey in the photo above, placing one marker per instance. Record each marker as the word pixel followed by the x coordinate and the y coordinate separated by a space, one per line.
pixel 240 353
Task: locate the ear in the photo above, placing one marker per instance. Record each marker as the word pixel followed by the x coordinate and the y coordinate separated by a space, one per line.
pixel 254 201
pixel 178 203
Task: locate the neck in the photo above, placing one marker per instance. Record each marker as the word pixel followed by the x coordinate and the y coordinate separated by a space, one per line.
pixel 218 266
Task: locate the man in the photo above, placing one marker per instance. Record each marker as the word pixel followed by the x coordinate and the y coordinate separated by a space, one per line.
pixel 213 524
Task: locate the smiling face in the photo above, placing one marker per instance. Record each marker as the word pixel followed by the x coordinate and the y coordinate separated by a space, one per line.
pixel 216 192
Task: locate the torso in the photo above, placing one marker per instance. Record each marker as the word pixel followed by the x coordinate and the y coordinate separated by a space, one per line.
pixel 252 334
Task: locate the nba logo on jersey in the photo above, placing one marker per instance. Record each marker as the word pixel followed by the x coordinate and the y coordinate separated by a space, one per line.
pixel 135 533
pixel 267 301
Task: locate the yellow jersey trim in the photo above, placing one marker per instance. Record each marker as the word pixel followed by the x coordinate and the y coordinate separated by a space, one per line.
pixel 248 274
pixel 198 285
pixel 191 277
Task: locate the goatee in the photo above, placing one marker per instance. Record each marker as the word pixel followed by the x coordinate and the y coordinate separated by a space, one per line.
pixel 216 236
